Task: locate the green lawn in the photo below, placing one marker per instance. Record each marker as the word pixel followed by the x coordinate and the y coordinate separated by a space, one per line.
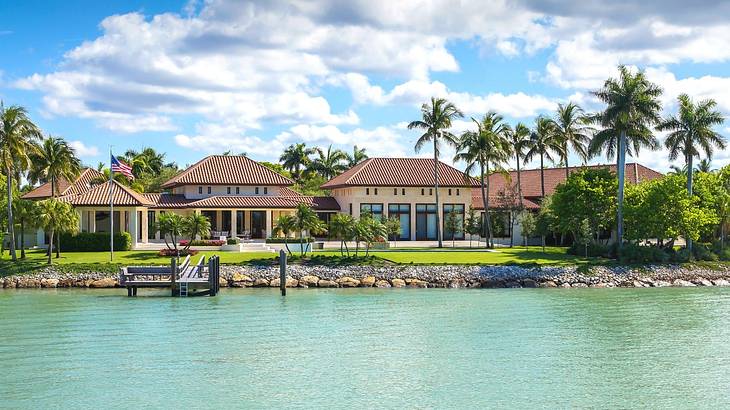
pixel 99 261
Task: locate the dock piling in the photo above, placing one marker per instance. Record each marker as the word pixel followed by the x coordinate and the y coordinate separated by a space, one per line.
pixel 282 272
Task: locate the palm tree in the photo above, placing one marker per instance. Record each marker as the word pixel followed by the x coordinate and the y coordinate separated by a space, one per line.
pixel 17 133
pixel 436 121
pixel 572 131
pixel 485 147
pixel 341 227
pixel 632 106
pixel 295 158
pixel 705 165
pixel 543 143
pixel 194 225
pixel 54 217
pixel 147 161
pixel 677 170
pixel 358 156
pixel 24 212
pixel 519 139
pixel 329 163
pixel 52 162
pixel 285 225
pixel 305 219
pixel 691 132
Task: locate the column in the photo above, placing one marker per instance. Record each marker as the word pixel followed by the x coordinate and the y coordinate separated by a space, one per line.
pixel 133 226
pixel 234 222
pixel 40 237
pixel 269 217
pixel 218 220
pixel 145 228
pixel 92 221
pixel 80 214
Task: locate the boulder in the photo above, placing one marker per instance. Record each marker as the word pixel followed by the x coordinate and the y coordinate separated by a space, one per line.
pixel 308 281
pixel 602 285
pixel 566 285
pixel 324 283
pixel 512 284
pixel 492 283
pixel 398 283
pixel 661 283
pixel 240 280
pixel 9 283
pixel 348 282
pixel 682 283
pixel 260 282
pixel 103 283
pixel 222 282
pixel 382 283
pixel 49 283
pixel 702 282
pixel 458 283
pixel 290 283
pixel 416 283
pixel 638 284
pixel 548 284
pixel 66 283
pixel 721 282
pixel 579 285
pixel 529 283
pixel 367 281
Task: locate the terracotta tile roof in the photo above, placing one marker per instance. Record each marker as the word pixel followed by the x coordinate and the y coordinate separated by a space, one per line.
pixel 227 170
pixel 80 185
pixel 399 172
pixel 167 201
pixel 497 202
pixel 321 203
pixel 553 176
pixel 99 196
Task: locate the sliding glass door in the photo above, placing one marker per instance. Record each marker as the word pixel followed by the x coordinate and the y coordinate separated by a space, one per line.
pixel 426 222
pixel 403 213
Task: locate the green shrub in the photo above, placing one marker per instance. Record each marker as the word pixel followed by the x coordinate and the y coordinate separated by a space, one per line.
pixel 233 241
pixel 290 240
pixel 95 242
pixel 632 253
pixel 681 255
pixel 702 252
pixel 594 250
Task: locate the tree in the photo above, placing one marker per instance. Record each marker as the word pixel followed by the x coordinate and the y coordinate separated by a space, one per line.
pixel 284 225
pixel 305 219
pixel 543 143
pixel 373 230
pixel 392 225
pixel 508 200
pixel 632 106
pixel 54 217
pixel 358 155
pixel 528 222
pixel 691 132
pixel 24 212
pixel 571 131
pixel 485 147
pixel 453 226
pixel 519 139
pixel 584 235
pixel 52 162
pixel 705 165
pixel 472 223
pixel 17 133
pixel 341 227
pixel 194 225
pixel 435 123
pixel 172 225
pixel 329 163
pixel 296 158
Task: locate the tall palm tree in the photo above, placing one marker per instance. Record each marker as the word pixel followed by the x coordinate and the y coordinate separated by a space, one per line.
pixel 52 162
pixel 296 158
pixel 329 163
pixel 358 156
pixel 17 133
pixel 543 143
pixel 705 165
pixel 485 147
pixel 632 106
pixel 435 123
pixel 519 139
pixel 572 131
pixel 691 132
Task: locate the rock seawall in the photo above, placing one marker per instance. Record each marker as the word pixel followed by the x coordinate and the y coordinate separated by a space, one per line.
pixel 444 276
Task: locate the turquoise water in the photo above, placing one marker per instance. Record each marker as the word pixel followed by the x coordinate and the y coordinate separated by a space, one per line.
pixel 501 348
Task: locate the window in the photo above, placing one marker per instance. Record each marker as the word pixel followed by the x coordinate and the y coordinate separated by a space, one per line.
pixel 238 190
pixel 395 191
pixel 430 191
pixel 375 210
pixel 367 191
pixel 458 211
pixel 200 190
pixel 350 208
pixel 376 191
pixel 209 190
pixel 457 191
pixel 423 191
pixel 501 225
pixel 403 213
pixel 228 190
pixel 266 190
pixel 426 222
pixel 151 232
pixel 449 191
pixel 257 190
pixel 403 191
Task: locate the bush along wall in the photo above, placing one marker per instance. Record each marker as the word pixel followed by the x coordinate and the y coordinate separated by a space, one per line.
pixel 95 242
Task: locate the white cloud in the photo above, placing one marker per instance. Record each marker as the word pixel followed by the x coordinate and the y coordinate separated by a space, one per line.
pixel 82 150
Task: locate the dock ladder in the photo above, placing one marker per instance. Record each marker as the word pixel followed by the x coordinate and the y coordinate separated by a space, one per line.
pixel 183 289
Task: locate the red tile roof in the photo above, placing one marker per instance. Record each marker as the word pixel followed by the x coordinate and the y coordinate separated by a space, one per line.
pixel 81 184
pixel 227 170
pixel 264 201
pixel 497 202
pixel 167 201
pixel 399 172
pixel 99 196
pixel 530 178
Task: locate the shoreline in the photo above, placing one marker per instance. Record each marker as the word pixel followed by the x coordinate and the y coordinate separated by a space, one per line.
pixel 414 276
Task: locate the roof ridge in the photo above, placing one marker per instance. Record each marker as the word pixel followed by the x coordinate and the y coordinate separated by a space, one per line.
pixel 358 170
pixel 186 171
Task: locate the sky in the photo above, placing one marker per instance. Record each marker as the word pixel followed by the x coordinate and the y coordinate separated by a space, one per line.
pixel 193 78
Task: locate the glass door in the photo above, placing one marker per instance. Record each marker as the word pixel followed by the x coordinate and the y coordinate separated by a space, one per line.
pixel 426 222
pixel 403 213
pixel 258 224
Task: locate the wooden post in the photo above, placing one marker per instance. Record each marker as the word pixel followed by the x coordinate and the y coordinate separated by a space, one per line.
pixel 282 272
pixel 173 274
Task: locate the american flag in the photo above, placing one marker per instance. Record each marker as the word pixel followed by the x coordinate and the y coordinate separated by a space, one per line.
pixel 121 167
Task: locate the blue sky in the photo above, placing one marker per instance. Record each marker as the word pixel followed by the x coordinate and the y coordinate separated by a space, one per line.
pixel 192 78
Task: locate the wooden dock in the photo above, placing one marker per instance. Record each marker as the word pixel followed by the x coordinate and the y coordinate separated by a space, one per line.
pixel 201 279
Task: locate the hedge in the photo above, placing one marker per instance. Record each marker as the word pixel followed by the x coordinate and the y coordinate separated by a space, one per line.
pixel 95 242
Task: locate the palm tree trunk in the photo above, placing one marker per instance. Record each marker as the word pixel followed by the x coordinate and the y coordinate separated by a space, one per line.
pixel 301 243
pixel 11 228
pixel 620 171
pixel 542 190
pixel 436 186
pixel 22 239
pixel 519 182
pixel 286 245
pixel 50 247
pixel 567 168
pixel 690 173
pixel 485 201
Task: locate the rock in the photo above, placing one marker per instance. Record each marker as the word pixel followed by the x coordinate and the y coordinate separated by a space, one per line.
pixel 290 282
pixel 579 285
pixel 492 283
pixel 416 283
pixel 367 281
pixel 547 284
pixel 682 283
pixel 398 283
pixel 66 283
pixel 638 284
pixel 308 281
pixel 458 283
pixel 324 283
pixel 239 280
pixel 49 283
pixel 222 282
pixel 702 282
pixel 103 283
pixel 601 285
pixel 382 283
pixel 9 283
pixel 512 284
pixel 721 282
pixel 348 282
pixel 529 283
pixel 661 284
pixel 260 282
pixel 566 285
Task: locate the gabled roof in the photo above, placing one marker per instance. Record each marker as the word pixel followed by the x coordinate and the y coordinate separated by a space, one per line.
pixel 80 185
pixel 168 201
pixel 227 170
pixel 530 178
pixel 262 201
pixel 399 172
pixel 99 196
pixel 498 202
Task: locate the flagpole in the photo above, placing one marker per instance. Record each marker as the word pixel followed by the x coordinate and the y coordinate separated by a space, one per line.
pixel 111 207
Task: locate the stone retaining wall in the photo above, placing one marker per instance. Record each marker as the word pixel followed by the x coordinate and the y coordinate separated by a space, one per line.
pixel 447 276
